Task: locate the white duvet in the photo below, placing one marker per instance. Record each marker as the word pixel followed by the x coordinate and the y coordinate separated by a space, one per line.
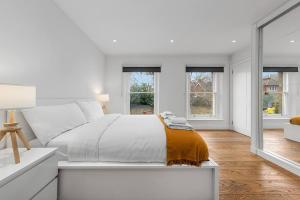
pixel 119 138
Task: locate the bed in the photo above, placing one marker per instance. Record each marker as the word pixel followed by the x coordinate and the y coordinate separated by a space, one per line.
pixel 292 132
pixel 123 164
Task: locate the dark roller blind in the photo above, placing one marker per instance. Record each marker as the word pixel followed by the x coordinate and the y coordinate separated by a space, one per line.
pixel 280 69
pixel 141 69
pixel 203 69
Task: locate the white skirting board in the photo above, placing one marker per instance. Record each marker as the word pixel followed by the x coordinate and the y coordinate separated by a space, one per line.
pixel 116 181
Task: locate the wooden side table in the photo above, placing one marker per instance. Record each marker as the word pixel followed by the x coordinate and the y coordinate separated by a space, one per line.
pixel 14 131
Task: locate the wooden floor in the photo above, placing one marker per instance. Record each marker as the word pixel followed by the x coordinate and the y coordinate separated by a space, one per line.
pixel 246 176
pixel 275 142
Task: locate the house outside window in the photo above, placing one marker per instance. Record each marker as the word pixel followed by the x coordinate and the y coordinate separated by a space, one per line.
pixel 202 92
pixel 274 93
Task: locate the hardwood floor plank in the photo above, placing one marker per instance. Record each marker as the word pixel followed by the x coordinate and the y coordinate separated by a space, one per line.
pixel 259 197
pixel 275 141
pixel 246 176
pixel 260 186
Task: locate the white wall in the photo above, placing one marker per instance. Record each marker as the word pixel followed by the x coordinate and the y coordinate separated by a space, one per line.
pixel 241 55
pixel 40 46
pixel 172 84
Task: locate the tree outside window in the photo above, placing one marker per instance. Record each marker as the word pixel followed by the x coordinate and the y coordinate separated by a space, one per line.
pixel 142 93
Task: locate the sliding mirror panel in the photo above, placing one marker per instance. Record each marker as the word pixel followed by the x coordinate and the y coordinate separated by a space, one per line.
pixel 281 86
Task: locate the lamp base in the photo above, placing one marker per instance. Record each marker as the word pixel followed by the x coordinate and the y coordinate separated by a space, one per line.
pixel 13 130
pixel 8 124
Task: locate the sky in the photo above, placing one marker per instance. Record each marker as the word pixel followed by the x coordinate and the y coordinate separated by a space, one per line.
pixel 142 77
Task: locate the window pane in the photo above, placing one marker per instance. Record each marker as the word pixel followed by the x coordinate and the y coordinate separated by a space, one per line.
pixel 201 82
pixel 272 103
pixel 142 82
pixel 272 92
pixel 201 104
pixel 141 103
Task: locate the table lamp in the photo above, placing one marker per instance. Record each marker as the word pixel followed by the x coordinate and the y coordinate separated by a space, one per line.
pixel 14 97
pixel 103 98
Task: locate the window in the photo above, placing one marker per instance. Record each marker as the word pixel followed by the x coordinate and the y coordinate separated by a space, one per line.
pixel 273 93
pixel 141 95
pixel 201 94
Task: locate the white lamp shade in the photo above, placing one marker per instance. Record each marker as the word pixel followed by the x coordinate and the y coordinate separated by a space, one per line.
pixel 103 98
pixel 15 96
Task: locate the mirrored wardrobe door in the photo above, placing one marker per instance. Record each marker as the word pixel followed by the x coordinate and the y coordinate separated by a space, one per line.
pixel 281 86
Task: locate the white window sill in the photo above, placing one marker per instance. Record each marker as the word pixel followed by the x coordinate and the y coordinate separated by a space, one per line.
pixel 205 119
pixel 276 118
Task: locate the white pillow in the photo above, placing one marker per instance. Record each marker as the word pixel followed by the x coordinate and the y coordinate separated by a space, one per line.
pixel 91 109
pixel 47 122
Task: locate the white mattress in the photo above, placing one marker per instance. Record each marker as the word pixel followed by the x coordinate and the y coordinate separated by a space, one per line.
pixel 134 138
pixel 292 132
pixel 61 143
pixel 126 139
pixel 119 138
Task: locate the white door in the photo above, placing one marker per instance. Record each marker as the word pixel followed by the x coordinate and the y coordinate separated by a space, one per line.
pixel 241 97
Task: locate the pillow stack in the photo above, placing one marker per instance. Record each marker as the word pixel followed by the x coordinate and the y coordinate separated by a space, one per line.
pixel 91 109
pixel 48 122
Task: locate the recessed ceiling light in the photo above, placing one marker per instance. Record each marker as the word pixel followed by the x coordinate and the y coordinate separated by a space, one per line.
pixel 233 41
pixel 114 41
pixel 172 41
pixel 292 41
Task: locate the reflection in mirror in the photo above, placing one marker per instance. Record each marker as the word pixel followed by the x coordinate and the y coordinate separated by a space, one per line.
pixel 281 86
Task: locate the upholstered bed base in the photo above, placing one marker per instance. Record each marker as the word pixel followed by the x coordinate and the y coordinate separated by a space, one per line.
pixel 103 181
pixel 292 132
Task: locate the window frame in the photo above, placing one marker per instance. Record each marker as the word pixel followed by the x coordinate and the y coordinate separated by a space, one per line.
pixel 214 93
pixel 127 92
pixel 284 94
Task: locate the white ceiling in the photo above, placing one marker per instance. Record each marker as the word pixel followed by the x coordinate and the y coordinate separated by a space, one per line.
pixel 147 26
pixel 278 34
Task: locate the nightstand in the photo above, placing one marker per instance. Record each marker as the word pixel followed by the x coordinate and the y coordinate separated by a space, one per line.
pixel 35 177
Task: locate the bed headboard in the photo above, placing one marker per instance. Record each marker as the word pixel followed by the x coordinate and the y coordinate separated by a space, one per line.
pixel 43 102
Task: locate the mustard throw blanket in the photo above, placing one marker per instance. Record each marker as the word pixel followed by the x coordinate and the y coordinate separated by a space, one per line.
pixel 295 120
pixel 185 147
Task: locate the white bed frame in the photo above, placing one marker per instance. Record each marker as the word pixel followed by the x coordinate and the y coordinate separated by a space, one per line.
pixel 116 181
pixel 292 132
